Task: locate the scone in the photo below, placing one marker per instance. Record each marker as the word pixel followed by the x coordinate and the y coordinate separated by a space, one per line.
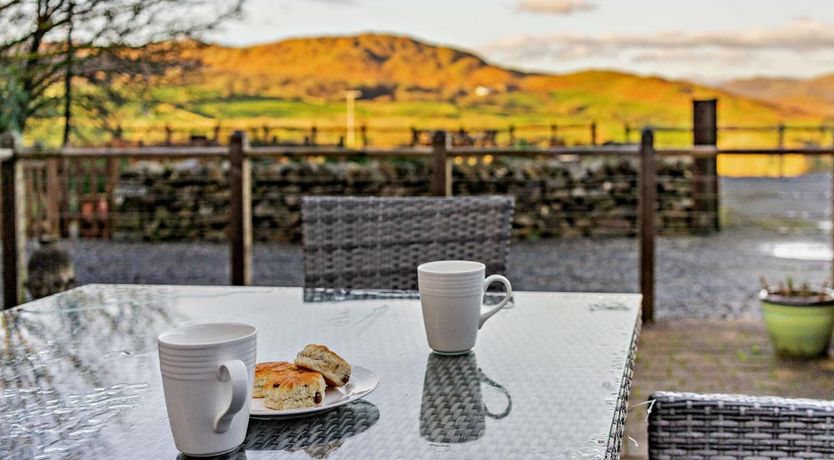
pixel 264 372
pixel 293 388
pixel 319 358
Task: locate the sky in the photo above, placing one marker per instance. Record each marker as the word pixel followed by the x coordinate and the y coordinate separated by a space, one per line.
pixel 705 40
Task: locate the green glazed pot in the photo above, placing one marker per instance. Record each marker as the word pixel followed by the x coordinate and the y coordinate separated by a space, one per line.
pixel 799 327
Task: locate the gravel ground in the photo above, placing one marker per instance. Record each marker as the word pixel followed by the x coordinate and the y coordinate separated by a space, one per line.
pixel 710 276
pixel 714 276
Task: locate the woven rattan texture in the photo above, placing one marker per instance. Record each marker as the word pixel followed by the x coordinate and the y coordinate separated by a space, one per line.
pixel 698 426
pixel 453 408
pixel 317 436
pixel 377 242
pixel 615 440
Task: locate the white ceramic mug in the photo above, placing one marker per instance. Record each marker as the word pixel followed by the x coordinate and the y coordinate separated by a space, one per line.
pixel 452 292
pixel 207 374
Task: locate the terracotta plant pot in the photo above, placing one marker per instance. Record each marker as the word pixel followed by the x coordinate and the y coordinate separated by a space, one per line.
pixel 800 327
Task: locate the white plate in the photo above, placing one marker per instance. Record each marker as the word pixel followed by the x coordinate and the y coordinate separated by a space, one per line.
pixel 362 382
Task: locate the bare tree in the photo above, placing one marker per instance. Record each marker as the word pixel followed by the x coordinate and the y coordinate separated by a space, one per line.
pixel 109 48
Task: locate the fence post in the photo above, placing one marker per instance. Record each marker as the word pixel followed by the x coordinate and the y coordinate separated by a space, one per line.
pixel 54 195
pixel 593 133
pixel 705 171
pixel 780 135
pixel 646 214
pixel 627 129
pixel 363 130
pixel 415 137
pixel 14 235
pixel 511 133
pixel 441 183
pixel 216 134
pixel 240 210
pixel 781 142
pixel 265 138
pixel 113 173
pixel 554 134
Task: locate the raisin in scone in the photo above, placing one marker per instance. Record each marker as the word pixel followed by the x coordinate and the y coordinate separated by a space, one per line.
pixel 264 372
pixel 294 388
pixel 319 358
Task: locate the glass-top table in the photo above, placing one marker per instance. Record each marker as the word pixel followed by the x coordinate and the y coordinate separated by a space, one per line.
pixel 549 377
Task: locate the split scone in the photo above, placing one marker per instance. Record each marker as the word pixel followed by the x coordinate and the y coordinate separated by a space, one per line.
pixel 294 388
pixel 319 358
pixel 264 372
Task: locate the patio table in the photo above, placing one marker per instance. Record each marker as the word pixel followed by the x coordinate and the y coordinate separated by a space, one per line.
pixel 549 377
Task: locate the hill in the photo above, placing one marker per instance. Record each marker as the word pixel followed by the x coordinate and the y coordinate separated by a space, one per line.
pixel 407 82
pixel 813 94
pixel 399 68
pixel 379 65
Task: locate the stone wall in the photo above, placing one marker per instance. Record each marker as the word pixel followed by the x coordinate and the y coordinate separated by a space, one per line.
pixel 593 197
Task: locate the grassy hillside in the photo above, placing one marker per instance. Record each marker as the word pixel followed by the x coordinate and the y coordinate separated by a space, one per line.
pixel 382 66
pixel 406 82
pixel 814 94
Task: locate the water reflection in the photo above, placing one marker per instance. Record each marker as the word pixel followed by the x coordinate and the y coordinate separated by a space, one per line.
pixel 317 436
pixel 60 381
pixel 452 409
pixel 343 295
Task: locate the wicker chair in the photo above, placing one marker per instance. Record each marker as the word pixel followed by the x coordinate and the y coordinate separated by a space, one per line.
pixel 377 242
pixel 696 426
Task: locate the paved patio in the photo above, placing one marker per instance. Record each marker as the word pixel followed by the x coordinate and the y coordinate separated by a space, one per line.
pixel 715 356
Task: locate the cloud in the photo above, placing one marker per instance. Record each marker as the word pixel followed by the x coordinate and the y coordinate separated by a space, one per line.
pixel 554 6
pixel 800 36
pixel 726 57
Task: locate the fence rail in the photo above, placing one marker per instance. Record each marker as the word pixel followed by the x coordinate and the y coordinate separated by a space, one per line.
pixel 441 154
pixel 311 135
pixel 175 153
pixel 552 134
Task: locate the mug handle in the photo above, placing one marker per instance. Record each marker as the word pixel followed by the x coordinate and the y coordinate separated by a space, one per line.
pixel 491 279
pixel 233 371
pixel 503 391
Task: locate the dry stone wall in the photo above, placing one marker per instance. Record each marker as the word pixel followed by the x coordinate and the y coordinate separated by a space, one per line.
pixel 593 197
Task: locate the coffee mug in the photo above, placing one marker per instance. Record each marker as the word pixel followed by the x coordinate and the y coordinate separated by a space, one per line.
pixel 207 374
pixel 452 409
pixel 452 293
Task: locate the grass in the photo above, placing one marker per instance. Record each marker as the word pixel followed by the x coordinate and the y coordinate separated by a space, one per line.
pixel 199 109
pixel 264 108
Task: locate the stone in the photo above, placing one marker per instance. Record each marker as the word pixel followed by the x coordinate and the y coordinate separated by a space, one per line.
pixel 590 196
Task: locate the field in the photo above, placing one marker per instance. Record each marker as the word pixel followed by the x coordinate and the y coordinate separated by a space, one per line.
pixel 205 111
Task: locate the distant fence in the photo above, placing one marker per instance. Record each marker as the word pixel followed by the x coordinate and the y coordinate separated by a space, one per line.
pixel 272 134
pixel 510 135
pixel 17 162
pixel 824 132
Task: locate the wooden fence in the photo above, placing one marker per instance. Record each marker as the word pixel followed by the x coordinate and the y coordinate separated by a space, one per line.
pixel 552 134
pixel 442 153
pixel 239 154
pixel 542 134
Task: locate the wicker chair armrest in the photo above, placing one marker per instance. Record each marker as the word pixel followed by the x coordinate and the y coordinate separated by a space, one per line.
pixel 689 425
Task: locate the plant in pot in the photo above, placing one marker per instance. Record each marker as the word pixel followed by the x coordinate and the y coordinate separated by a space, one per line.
pixel 800 319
